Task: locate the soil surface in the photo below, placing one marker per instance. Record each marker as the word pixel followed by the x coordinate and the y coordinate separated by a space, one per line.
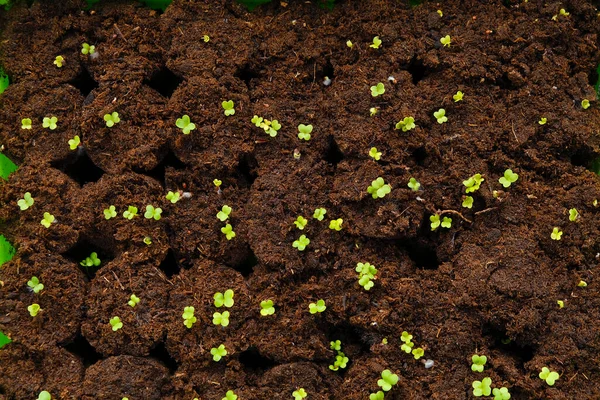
pixel 488 285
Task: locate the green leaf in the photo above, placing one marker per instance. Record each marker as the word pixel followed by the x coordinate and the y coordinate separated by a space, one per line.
pixel 4 340
pixel 157 4
pixel 597 85
pixel 252 4
pixel 7 251
pixel 7 167
pixel 4 81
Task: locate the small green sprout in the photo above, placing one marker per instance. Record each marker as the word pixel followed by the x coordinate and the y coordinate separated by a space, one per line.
pixel 188 317
pixel 501 394
pixel 473 183
pixel 223 215
pixel 91 261
pixel 116 323
pixel 556 233
pixel 266 308
pixel 58 61
pixel 561 304
pixel 379 188
pixel 74 143
pixel 418 353
pixel 221 319
pixel 301 243
pixel 377 90
pixel 467 202
pixel 458 96
pixel 388 379
pixel 562 13
pixel 133 300
pixel 299 394
pixel 26 123
pixel 317 307
pixel 440 116
pixel 319 214
pixel 585 104
pixel 173 197
pixel 542 121
pixel 413 184
pixel 147 240
pixel 482 388
pixel 110 212
pixel 112 119
pixel 377 396
pixel 478 363
pixel 228 108
pixel 435 221
pixel 549 376
pixel 50 123
pixel 44 395
pixel 48 219
pixel 130 212
pixel 446 41
pixel 35 285
pixel 372 111
pixel 206 38
pixel 336 224
pixel 26 202
pixel 270 127
pixel 374 154
pixel 335 345
pixel 508 178
pixel 300 222
pixel 217 183
pixel 406 124
pixel 573 214
pixel 224 299
pixel 440 13
pixel 152 212
pixel 304 131
pixel 407 345
pixel 341 361
pixel 349 43
pixel 218 352
pixel 366 275
pixel 376 43
pixel 34 309
pixel 446 222
pixel 227 230
pixel 581 283
pixel 87 49
pixel 185 125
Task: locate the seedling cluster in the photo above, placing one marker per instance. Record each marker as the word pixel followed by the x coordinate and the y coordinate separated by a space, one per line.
pixel 366 275
pixel 271 127
pixel 340 359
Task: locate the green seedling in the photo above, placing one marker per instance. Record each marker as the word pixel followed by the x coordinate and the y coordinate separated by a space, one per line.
pixel 543 121
pixel 4 340
pixel 418 353
pixel 228 109
pixel 407 345
pixel 50 123
pixel 230 395
pixel 508 178
pixel 266 308
pixel 388 379
pixel 299 394
pixel 446 40
pixel 147 240
pixel 556 233
pixel 473 183
pixel 335 345
pixel 116 323
pixel 349 43
pixel 26 123
pixel 44 395
pixel 440 116
pixel 319 214
pixel 74 143
pixel 585 104
pixel 374 154
pixel 336 224
pixel 185 125
pixel 372 111
pixel 7 251
pixel 223 215
pixel 301 243
pixel 549 376
pixel 48 220
pixel 110 212
pixel 87 49
pixel 435 221
pixel 300 222
pixel 341 361
pixel 366 275
pixel 35 285
pixel 130 212
pixel 377 90
pixel 227 230
pixel 270 127
pixel 482 388
pixel 59 61
pixel 458 96
pixel 173 197
pixel 376 43
pixel 217 183
pixel 91 261
pixel 34 309
pixel 133 300
pixel 26 202
pixel 224 299
pixel 413 184
pixel 582 284
pixel 221 319
pixel 112 119
pixel 188 317
pixel 501 394
pixel 446 222
pixel 206 38
pixel 317 307
pixel 304 131
pixel 377 396
pixel 478 363
pixel 573 214
pixel 406 124
pixel 152 212
pixel 561 304
pixel 218 352
pixel 378 188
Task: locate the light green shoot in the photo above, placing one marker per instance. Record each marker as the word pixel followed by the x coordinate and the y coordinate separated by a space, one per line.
pixel 335 345
pixel 116 323
pixel 26 123
pixel 406 337
pixel 224 299
pixel 266 308
pixel 133 300
pixel 152 212
pixel 374 154
pixel 377 396
pixel 223 215
pixel 508 178
pixel 377 90
pixel 501 394
pixel 188 317
pixel 406 124
pixel 349 43
pixel 581 283
pixel 74 143
pixel 185 125
pixel 549 376
pixel 221 319
pixel 300 222
pixel 413 184
pixel 228 108
pixel 418 353
pixel 585 104
pixel 473 183
pixel 573 214
pixel 173 197
pixel 112 119
pixel 336 224
pixel 301 243
pixel 543 121
pixel 446 222
pixel 317 307
pixel 147 240
pixel 446 40
pixel 87 49
pixel 50 123
pixel 227 230
pixel 388 379
pixel 482 388
pixel 319 214
pixel 556 233
pixel 372 111
pixel 379 188
pixel 230 395
pixel 44 395
pixel 58 61
pixel 91 261
pixel 35 285
pixel 407 344
pixel 34 309
pixel 218 352
pixel 440 116
pixel 467 202
pixel 366 274
pixel 206 38
pixel 341 361
pixel 270 127
pixel 110 212
pixel 458 96
pixel 26 202
pixel 478 363
pixel 376 43
pixel 304 131
pixel 435 221
pixel 130 212
pixel 299 394
pixel 217 182
pixel 48 220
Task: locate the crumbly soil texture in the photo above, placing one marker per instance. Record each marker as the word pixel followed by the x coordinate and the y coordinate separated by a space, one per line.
pixel 487 285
